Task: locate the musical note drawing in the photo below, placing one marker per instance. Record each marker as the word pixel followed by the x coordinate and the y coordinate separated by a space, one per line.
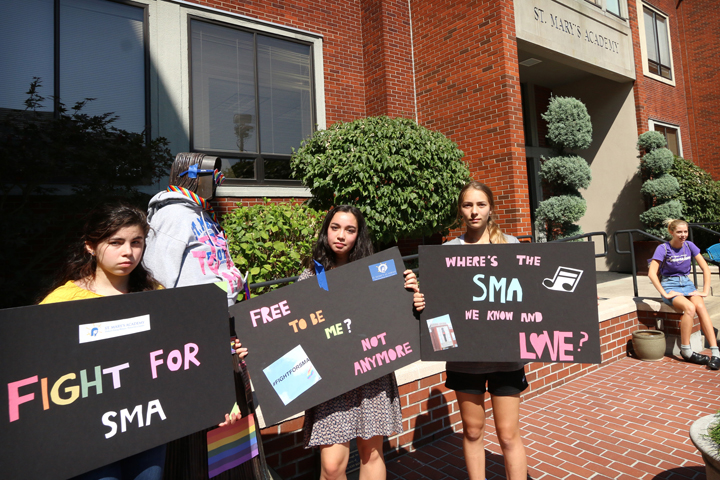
pixel 565 280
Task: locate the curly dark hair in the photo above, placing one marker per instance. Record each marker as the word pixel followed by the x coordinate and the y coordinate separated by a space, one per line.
pixel 323 253
pixel 100 224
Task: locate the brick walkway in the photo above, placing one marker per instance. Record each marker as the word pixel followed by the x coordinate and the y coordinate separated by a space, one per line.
pixel 628 420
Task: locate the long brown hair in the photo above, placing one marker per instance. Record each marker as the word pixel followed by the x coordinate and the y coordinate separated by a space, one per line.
pixel 323 253
pixel 102 223
pixel 496 235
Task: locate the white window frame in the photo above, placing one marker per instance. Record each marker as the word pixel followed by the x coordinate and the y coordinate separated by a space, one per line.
pixel 602 4
pixel 170 96
pixel 643 47
pixel 651 127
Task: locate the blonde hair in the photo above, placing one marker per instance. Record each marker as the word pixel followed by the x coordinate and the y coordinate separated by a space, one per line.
pixel 496 235
pixel 673 223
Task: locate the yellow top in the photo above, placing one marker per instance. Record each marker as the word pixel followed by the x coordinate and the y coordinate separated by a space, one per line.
pixel 68 292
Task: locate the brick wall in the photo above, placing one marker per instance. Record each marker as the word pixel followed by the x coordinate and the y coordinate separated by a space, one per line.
pixel 699 25
pixel 430 411
pixel 387 51
pixel 654 99
pixel 467 84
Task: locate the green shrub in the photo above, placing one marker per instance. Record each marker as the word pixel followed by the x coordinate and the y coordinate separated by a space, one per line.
pixel 663 188
pixel 656 163
pixel 699 194
pixel 651 140
pixel 557 215
pixel 402 176
pixel 654 217
pixel 659 187
pixel 714 432
pixel 566 175
pixel 270 240
pixel 569 127
pixel 569 124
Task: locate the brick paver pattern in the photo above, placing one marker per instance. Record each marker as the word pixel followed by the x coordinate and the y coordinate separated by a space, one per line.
pixel 629 420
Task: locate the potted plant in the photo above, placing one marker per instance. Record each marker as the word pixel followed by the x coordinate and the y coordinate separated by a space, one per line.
pixel 705 434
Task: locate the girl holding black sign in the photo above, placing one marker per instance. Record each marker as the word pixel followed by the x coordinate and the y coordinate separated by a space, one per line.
pixel 106 261
pixel 505 381
pixel 367 413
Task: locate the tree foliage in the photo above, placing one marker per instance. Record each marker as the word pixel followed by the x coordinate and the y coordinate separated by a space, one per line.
pixel 659 187
pixel 402 176
pixel 58 167
pixel 271 239
pixel 569 127
pixel 569 124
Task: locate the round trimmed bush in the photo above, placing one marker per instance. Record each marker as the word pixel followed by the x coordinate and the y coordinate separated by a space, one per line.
pixel 657 162
pixel 663 188
pixel 566 174
pixel 651 140
pixel 402 176
pixel 654 217
pixel 569 124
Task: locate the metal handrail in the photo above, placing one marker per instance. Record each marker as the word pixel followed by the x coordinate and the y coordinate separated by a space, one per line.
pixel 700 226
pixel 588 236
pixel 406 258
pixel 630 233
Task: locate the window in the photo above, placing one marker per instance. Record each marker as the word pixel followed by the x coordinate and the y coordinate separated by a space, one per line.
pixel 672 136
pixel 657 43
pixel 613 6
pixel 252 99
pixel 100 54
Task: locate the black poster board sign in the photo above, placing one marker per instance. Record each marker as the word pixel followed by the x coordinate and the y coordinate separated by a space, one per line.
pixel 512 302
pixel 307 345
pixel 89 382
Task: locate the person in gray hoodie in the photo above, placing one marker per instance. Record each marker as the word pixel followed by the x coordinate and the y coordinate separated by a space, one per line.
pixel 186 245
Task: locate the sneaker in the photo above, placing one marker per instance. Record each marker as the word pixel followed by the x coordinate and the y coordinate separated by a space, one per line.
pixel 700 359
pixel 714 363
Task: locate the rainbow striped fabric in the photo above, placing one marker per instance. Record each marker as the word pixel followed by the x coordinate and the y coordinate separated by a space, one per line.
pixel 231 445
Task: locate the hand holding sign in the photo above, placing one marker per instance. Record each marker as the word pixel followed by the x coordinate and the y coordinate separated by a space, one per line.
pixel 505 303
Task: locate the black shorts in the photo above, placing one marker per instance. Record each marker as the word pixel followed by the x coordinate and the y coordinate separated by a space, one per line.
pixel 500 384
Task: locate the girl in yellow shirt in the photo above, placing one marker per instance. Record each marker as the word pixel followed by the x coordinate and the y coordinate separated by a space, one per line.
pixel 107 261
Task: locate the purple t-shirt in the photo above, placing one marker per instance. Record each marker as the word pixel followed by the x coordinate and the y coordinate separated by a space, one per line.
pixel 677 263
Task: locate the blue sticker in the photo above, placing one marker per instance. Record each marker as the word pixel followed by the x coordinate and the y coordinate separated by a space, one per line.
pixel 383 270
pixel 292 374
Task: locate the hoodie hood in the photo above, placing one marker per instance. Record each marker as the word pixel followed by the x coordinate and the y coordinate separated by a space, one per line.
pixel 165 198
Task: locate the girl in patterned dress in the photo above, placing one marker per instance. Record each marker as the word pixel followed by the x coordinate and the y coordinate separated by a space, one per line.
pixel 367 413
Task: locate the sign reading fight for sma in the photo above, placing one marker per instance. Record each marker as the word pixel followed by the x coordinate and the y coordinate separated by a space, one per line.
pixel 307 345
pixel 510 303
pixel 89 382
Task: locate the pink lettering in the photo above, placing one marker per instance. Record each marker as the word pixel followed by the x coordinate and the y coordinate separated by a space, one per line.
pixel 14 399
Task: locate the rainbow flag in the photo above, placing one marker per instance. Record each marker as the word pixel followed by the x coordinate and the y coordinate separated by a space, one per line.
pixel 231 445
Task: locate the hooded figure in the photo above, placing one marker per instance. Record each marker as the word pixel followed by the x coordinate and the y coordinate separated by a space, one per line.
pixel 186 245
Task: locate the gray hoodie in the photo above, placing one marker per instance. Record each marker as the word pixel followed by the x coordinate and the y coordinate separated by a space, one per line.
pixel 186 247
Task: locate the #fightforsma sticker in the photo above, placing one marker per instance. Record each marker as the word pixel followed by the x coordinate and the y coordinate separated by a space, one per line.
pixel 382 270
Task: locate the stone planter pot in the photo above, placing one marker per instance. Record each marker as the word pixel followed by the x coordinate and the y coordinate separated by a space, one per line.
pixel 649 345
pixel 708 448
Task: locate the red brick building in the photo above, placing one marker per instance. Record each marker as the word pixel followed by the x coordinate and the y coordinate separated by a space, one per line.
pixel 249 80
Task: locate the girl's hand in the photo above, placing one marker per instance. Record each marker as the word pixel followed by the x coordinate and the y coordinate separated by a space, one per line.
pixel 670 294
pixel 697 294
pixel 411 282
pixel 230 419
pixel 242 352
pixel 419 301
